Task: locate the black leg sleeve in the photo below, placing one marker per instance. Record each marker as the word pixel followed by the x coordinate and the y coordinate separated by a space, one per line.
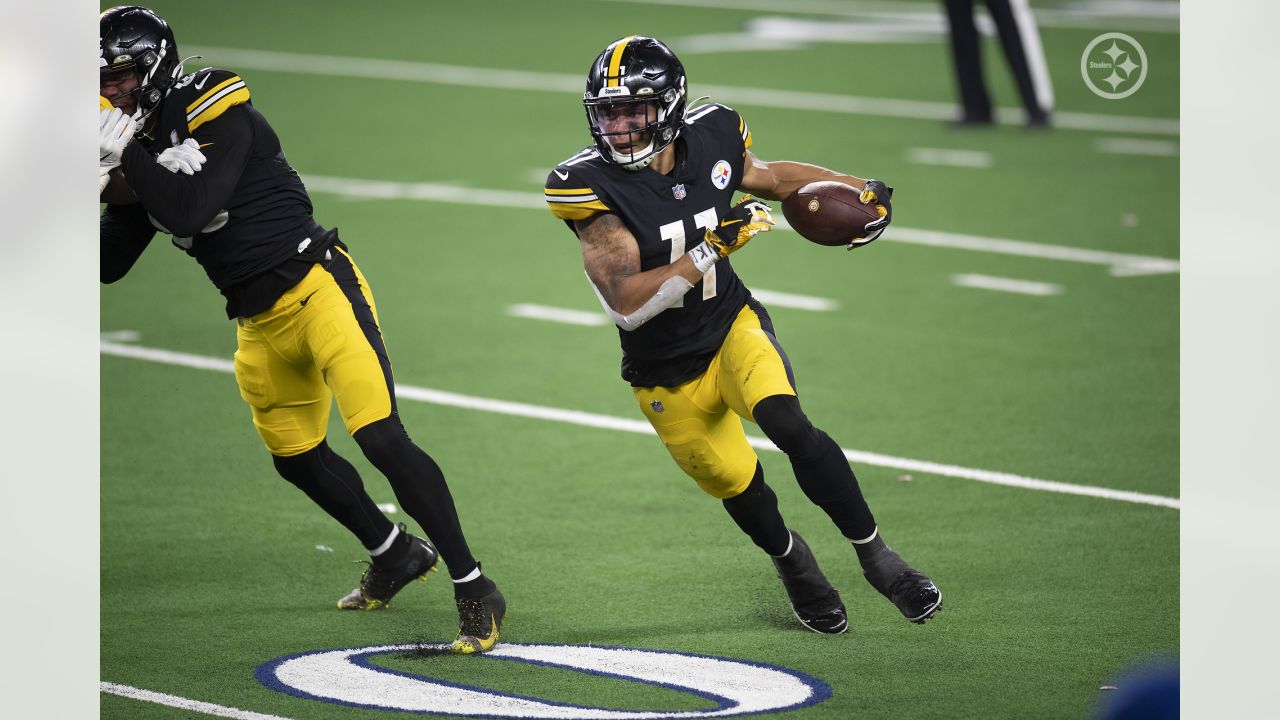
pixel 420 487
pixel 966 55
pixel 820 467
pixel 335 486
pixel 755 510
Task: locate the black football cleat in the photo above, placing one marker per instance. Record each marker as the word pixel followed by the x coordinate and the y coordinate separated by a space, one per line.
pixel 913 593
pixel 379 584
pixel 815 603
pixel 479 621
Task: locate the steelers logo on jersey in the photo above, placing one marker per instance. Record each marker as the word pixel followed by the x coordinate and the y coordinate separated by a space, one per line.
pixel 721 174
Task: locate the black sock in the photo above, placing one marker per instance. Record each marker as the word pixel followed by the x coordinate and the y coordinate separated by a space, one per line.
pixel 870 550
pixel 821 468
pixel 755 510
pixel 420 487
pixel 396 553
pixel 474 589
pixel 333 484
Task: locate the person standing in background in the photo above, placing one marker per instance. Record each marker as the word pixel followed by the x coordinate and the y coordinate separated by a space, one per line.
pixel 1021 42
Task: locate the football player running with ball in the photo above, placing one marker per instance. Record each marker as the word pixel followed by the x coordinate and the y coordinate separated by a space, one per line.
pixel 651 204
pixel 190 156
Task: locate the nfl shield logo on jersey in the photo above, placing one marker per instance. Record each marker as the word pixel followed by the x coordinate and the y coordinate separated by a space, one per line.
pixel 657 406
pixel 678 191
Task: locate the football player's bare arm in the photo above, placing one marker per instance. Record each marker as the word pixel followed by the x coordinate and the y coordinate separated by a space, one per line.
pixel 777 180
pixel 611 259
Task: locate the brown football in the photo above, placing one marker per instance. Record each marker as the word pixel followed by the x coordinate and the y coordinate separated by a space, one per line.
pixel 828 213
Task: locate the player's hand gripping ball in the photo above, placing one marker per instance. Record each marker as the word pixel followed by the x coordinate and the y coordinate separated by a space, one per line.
pixel 833 213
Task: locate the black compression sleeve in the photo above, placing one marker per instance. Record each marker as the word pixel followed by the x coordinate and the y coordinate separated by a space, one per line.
pixel 184 204
pixel 124 232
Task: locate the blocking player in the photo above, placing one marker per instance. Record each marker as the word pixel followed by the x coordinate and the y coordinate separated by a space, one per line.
pixel 200 163
pixel 651 204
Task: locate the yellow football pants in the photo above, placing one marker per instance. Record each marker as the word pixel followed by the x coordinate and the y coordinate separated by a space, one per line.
pixel 694 420
pixel 319 341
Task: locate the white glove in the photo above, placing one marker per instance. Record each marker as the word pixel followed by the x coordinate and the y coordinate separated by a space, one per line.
pixel 104 177
pixel 115 130
pixel 186 157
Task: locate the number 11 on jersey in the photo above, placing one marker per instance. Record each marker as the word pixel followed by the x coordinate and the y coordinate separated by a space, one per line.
pixel 674 231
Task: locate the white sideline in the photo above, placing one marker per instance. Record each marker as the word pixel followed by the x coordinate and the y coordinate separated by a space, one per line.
pixel 586 419
pixel 532 81
pixel 134 693
pixel 1121 264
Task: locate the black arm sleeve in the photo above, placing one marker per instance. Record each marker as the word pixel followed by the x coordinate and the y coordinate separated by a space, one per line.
pixel 185 204
pixel 124 232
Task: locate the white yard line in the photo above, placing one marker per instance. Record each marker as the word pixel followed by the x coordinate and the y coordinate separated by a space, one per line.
pixel 184 703
pixel 555 314
pixel 606 422
pixel 956 158
pixel 774 298
pixel 1120 263
pixel 476 77
pixel 1009 285
pixel 1136 146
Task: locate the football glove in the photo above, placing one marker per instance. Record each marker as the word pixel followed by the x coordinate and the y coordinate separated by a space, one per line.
pixel 185 157
pixel 876 193
pixel 115 130
pixel 744 221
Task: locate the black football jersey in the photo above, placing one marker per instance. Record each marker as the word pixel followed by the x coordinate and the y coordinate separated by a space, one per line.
pixel 668 215
pixel 246 212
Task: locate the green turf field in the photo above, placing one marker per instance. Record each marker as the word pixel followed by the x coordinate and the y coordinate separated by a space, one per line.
pixel 212 565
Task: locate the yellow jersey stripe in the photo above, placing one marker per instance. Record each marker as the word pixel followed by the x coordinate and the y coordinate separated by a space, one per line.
pixel 558 191
pixel 212 91
pixel 746 141
pixel 577 211
pixel 615 61
pixel 232 99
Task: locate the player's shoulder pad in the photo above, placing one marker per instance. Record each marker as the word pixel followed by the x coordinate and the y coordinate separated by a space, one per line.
pixel 720 118
pixel 569 192
pixel 207 93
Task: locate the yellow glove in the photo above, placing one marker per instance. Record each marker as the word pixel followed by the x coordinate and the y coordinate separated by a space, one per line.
pixel 745 219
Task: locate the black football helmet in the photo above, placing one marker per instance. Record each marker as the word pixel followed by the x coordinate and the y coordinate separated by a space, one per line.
pixel 635 100
pixel 135 38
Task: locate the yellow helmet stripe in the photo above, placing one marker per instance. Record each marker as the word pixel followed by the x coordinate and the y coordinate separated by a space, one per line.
pixel 615 61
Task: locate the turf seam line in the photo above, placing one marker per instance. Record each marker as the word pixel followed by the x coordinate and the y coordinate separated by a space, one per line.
pixel 607 422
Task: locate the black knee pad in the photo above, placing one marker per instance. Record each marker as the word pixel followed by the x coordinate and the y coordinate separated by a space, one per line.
pixel 782 420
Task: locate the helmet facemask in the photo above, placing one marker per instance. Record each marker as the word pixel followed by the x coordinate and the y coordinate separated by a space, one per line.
pixel 641 126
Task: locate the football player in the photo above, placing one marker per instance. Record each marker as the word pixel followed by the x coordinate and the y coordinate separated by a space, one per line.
pixel 203 165
pixel 651 201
